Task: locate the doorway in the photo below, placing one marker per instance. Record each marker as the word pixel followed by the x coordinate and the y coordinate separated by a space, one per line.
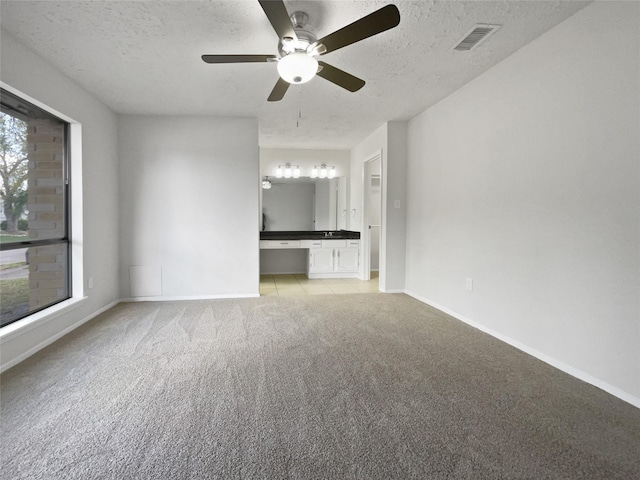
pixel 371 232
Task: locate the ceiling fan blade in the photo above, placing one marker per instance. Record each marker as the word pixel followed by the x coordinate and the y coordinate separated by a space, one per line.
pixel 277 14
pixel 278 91
pixel 377 22
pixel 237 58
pixel 340 77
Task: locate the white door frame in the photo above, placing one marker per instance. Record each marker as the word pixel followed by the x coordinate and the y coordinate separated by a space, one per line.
pixel 365 231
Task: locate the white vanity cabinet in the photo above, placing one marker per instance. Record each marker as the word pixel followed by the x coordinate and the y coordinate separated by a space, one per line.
pixel 327 257
pixel 321 260
pixel 347 258
pixel 334 259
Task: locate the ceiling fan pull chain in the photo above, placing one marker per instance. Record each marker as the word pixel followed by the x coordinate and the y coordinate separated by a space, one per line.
pixel 299 108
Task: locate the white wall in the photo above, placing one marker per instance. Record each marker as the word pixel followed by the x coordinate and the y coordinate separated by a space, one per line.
pixel 23 70
pixel 527 181
pixel 394 206
pixel 189 204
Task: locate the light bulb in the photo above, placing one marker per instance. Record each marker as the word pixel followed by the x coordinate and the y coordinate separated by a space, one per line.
pixel 296 171
pixel 314 172
pixel 297 67
pixel 332 172
pixel 323 171
pixel 279 171
pixel 287 171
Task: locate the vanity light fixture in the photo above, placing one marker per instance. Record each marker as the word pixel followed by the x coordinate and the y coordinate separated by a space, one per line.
pixel 288 171
pixel 323 171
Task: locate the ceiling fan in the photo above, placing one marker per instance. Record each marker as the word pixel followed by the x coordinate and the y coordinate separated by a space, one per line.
pixel 299 49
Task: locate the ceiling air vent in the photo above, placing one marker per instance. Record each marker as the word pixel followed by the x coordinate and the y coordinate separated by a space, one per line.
pixel 475 36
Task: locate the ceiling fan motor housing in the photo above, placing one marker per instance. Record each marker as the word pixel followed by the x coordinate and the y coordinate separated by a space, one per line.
pixel 305 38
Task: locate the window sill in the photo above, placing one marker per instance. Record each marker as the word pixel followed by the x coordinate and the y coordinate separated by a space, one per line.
pixel 27 324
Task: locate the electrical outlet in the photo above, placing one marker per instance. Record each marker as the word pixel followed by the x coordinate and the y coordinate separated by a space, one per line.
pixel 90 282
pixel 396 204
pixel 469 284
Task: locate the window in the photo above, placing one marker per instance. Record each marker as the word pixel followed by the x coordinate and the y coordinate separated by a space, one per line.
pixel 34 211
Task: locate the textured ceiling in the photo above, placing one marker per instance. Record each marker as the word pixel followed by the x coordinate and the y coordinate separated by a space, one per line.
pixel 143 57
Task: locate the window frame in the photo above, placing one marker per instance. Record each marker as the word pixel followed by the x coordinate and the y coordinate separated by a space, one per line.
pixel 66 238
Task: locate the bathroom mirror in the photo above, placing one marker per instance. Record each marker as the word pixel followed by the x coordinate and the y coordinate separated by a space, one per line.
pixel 304 204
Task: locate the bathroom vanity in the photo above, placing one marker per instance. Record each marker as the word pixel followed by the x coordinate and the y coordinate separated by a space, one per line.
pixel 330 253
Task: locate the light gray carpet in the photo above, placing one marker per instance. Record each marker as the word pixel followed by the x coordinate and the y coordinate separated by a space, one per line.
pixel 348 386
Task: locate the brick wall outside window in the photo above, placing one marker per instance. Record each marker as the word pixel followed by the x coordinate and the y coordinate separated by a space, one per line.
pixel 45 145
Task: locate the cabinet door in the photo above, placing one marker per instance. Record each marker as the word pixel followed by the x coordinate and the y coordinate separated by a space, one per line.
pixel 347 259
pixel 320 260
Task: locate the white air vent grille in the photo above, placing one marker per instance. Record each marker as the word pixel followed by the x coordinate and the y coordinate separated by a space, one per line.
pixel 475 36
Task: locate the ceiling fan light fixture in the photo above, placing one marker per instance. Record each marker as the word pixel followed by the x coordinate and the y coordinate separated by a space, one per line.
pixel 297 67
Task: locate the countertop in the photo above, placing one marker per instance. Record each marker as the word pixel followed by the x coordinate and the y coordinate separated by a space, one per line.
pixel 310 235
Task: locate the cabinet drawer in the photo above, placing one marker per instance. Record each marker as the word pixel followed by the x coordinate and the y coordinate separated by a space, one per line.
pixel 334 243
pixel 283 243
pixel 311 244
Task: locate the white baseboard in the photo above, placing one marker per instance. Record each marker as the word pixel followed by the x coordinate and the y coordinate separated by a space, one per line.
pixel 50 340
pixel 574 372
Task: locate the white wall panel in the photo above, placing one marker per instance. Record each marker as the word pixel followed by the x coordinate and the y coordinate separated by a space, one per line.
pixel 97 231
pixel 189 203
pixel 527 181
